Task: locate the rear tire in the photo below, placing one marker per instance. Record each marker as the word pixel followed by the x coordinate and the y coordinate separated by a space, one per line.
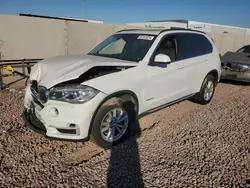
pixel 107 117
pixel 207 90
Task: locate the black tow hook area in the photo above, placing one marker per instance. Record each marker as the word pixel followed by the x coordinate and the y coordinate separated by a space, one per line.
pixel 37 126
pixel 33 122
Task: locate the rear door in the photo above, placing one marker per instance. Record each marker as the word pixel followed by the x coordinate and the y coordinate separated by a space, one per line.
pixel 195 54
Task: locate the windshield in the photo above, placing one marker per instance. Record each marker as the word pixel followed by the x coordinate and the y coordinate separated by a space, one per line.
pixel 131 47
pixel 245 49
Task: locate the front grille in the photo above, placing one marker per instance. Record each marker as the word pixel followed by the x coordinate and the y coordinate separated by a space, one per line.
pixel 40 93
pixel 43 94
pixel 37 102
pixel 34 88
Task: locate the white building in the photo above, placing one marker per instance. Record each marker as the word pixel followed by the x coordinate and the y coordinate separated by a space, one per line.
pixel 201 26
pixel 227 38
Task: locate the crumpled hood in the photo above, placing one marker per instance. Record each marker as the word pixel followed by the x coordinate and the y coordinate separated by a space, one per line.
pixel 236 57
pixel 54 70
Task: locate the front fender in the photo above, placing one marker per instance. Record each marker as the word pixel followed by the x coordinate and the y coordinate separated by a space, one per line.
pixel 127 80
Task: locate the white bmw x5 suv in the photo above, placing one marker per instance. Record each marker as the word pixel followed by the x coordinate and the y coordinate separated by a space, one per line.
pixel 97 96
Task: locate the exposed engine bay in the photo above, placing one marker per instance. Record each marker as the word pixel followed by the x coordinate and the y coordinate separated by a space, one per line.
pixel 96 72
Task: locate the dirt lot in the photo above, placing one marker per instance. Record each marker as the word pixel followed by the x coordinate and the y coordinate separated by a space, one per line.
pixel 186 145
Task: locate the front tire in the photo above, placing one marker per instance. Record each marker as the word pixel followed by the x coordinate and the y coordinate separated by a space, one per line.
pixel 112 122
pixel 207 90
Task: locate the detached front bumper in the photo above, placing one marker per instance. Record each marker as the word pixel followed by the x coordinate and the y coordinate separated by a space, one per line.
pixel 234 75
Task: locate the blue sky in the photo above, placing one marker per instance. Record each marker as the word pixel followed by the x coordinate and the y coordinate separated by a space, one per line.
pixel 228 12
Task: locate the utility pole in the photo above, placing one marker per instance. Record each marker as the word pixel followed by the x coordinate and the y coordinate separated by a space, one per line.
pixel 1 76
pixel 83 1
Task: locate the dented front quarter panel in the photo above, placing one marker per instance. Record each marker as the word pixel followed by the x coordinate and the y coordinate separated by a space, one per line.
pixel 55 70
pixel 126 80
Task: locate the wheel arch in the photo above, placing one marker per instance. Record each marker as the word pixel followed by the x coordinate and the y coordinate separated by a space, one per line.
pixel 117 94
pixel 215 73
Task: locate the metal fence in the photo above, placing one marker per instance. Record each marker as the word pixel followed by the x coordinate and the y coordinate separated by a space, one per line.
pixel 23 64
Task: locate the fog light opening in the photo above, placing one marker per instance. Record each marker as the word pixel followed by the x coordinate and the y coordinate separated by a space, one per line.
pixel 77 130
pixel 72 125
pixel 54 112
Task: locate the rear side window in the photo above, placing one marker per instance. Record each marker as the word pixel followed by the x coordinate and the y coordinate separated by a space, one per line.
pixel 192 45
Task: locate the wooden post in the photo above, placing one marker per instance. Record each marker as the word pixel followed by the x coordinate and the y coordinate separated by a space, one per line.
pixel 28 68
pixel 1 76
pixel 23 68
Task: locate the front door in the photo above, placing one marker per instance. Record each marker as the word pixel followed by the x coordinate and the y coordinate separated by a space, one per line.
pixel 165 84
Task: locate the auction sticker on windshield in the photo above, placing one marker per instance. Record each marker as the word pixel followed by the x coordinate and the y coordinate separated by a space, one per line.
pixel 146 37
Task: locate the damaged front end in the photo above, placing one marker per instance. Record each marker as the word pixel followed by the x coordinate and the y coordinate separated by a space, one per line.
pixel 96 72
pixel 235 71
pixel 64 111
pixel 236 66
pixel 41 94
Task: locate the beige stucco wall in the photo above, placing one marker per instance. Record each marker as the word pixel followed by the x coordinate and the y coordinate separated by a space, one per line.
pixel 230 39
pixel 247 37
pixel 24 37
pixel 82 37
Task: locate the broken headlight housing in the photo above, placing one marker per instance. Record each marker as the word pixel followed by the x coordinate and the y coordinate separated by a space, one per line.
pixel 236 66
pixel 244 68
pixel 73 93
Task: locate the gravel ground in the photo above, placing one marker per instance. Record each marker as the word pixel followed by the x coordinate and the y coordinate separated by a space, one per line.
pixel 186 145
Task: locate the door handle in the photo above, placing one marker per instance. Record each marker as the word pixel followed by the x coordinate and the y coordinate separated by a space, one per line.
pixel 180 66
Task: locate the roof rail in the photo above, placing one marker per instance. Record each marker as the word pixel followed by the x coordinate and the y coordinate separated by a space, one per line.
pixel 163 30
pixel 182 29
pixel 128 30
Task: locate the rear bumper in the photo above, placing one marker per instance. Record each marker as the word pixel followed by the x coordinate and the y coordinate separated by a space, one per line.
pixel 37 126
pixel 236 76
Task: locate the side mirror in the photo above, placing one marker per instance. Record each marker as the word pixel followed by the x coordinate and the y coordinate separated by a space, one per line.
pixel 162 59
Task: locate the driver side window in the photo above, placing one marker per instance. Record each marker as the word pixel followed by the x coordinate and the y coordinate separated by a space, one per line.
pixel 168 47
